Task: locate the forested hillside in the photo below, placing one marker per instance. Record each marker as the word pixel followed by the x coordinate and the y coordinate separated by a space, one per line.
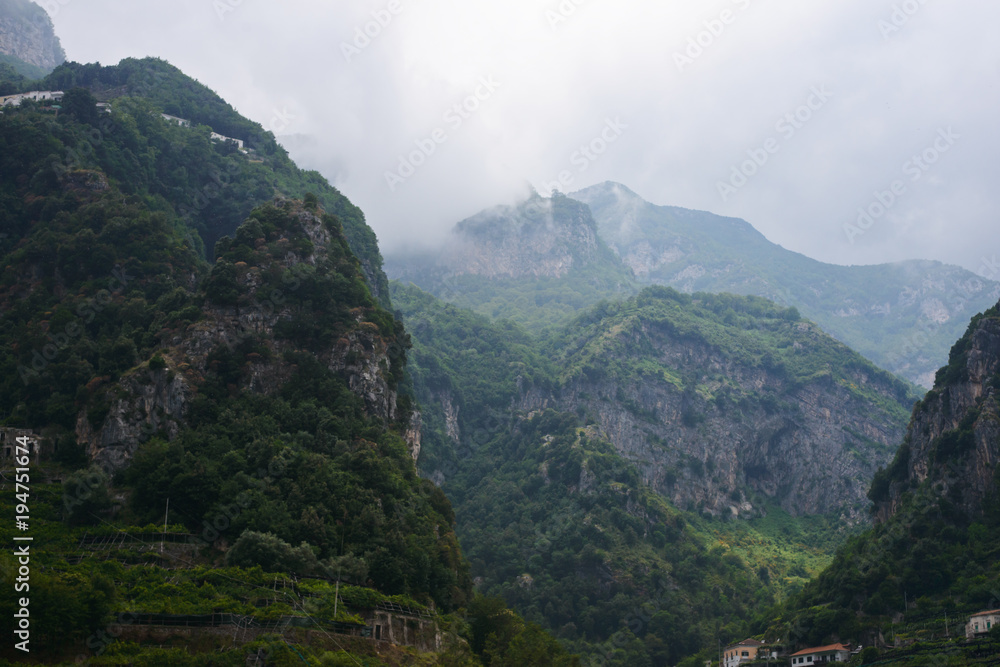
pixel 595 467
pixel 185 353
pixel 932 558
pixel 208 184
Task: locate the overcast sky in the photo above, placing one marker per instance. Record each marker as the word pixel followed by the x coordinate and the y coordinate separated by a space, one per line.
pixel 669 97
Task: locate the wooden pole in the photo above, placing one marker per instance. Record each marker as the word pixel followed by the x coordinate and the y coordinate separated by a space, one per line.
pixel 166 516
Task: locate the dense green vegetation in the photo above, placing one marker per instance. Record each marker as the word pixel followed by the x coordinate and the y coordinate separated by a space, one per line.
pixel 751 331
pixel 20 69
pixel 561 527
pixel 785 552
pixel 211 185
pixel 136 250
pixel 106 290
pixel 935 560
pixel 558 524
pixel 879 311
pixel 86 608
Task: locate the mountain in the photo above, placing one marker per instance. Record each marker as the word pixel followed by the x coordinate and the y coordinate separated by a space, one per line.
pixel 538 263
pixel 553 519
pixel 28 43
pixel 932 558
pixel 223 436
pixel 902 316
pixel 596 465
pixel 214 190
pixel 719 400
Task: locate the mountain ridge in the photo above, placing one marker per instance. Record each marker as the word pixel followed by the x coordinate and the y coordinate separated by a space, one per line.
pixel 903 315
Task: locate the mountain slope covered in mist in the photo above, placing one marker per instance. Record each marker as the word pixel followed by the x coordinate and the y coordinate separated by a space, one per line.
pixel 902 316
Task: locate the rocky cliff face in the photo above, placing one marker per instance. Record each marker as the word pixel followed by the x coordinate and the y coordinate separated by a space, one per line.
pixel 953 441
pixel 733 434
pixel 539 238
pixel 26 33
pixel 149 401
pixel 538 263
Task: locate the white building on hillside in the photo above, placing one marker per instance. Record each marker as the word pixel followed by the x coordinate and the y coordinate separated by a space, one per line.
pixel 821 655
pixel 35 96
pixel 981 623
pixel 174 119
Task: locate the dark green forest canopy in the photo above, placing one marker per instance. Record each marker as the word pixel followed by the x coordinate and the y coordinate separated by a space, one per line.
pixel 105 218
pixel 211 185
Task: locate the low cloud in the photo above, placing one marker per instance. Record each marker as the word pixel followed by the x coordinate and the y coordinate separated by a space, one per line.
pixel 353 90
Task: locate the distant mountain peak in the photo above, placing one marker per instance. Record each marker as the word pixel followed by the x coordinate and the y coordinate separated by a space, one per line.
pixel 538 237
pixel 903 316
pixel 28 37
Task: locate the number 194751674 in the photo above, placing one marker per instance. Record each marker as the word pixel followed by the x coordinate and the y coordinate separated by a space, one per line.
pixel 22 458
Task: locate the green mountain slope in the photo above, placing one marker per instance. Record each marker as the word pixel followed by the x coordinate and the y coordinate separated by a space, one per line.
pixel 567 459
pixel 213 186
pixel 722 401
pixel 19 68
pixel 902 316
pixel 253 402
pixel 553 519
pixel 932 559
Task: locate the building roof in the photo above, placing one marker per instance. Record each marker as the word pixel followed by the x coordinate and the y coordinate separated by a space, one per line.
pixel 823 649
pixel 746 642
pixel 986 613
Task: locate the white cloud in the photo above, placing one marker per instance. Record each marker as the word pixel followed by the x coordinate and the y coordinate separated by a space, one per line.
pixel 608 59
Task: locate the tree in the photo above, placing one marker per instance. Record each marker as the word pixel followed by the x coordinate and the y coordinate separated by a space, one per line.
pixel 81 105
pixel 271 553
pixel 86 497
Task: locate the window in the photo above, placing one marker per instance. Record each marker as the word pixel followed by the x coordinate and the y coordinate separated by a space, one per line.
pixel 746 654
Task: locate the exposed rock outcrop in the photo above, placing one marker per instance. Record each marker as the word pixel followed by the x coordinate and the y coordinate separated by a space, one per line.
pixel 902 316
pixel 954 437
pixel 26 33
pixel 739 433
pixel 145 401
pixel 538 242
